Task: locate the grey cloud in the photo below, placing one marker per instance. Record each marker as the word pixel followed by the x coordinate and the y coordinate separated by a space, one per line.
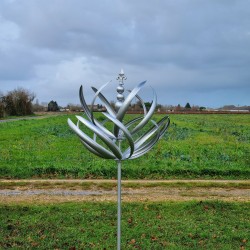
pixel 188 45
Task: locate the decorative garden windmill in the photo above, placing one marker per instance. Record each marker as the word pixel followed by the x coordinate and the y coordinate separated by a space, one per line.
pixel 130 131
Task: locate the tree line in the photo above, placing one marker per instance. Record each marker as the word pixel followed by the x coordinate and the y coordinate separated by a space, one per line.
pixel 18 102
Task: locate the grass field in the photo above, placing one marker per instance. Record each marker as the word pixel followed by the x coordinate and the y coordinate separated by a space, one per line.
pixel 195 146
pixel 178 225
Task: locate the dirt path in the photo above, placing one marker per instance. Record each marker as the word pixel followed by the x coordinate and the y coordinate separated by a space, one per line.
pixel 54 191
pixel 123 181
pixel 28 118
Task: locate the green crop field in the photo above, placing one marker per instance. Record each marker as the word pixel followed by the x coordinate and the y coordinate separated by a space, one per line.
pixel 166 225
pixel 195 146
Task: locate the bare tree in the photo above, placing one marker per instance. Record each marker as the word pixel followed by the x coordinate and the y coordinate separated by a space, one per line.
pixel 74 107
pixel 18 102
pixel 36 107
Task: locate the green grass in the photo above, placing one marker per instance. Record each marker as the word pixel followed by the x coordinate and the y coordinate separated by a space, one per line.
pixel 195 146
pixel 183 225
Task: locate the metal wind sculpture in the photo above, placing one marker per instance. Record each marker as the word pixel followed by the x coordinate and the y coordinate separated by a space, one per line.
pixel 108 143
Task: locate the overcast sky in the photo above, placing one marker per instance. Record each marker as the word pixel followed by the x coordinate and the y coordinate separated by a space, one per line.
pixel 194 51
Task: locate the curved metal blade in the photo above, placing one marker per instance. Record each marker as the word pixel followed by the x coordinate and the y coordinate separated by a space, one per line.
pixel 91 143
pixel 145 147
pixel 129 123
pixel 141 140
pixel 141 101
pixel 90 115
pixel 102 136
pixel 84 104
pixel 100 126
pixel 148 115
pixel 95 152
pixel 159 130
pixel 125 131
pixel 105 101
pixel 146 136
pixel 151 130
pixel 165 128
pixel 97 92
pixel 121 112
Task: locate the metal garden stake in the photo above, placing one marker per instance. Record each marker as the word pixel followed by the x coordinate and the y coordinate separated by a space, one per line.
pixel 107 143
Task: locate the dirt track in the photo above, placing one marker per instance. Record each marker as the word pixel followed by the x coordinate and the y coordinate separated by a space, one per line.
pixel 54 191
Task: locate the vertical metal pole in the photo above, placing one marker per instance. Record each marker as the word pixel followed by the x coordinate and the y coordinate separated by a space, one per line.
pixel 119 205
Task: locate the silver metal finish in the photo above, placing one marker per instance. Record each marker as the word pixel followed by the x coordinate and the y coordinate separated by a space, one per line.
pixel 138 142
pixel 119 200
pixel 120 89
pixel 119 203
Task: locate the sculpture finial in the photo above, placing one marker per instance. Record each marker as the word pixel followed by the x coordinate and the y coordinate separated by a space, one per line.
pixel 120 89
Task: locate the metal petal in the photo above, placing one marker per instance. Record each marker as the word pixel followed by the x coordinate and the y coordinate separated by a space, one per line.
pixel 160 129
pixel 90 142
pixel 165 128
pixel 141 140
pixel 130 123
pixel 105 101
pixel 142 103
pixel 145 148
pixel 84 104
pixel 162 125
pixel 102 136
pixel 121 112
pixel 95 152
pixel 97 92
pixel 148 115
pixel 149 133
pixel 90 114
pixel 128 100
pixel 125 131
